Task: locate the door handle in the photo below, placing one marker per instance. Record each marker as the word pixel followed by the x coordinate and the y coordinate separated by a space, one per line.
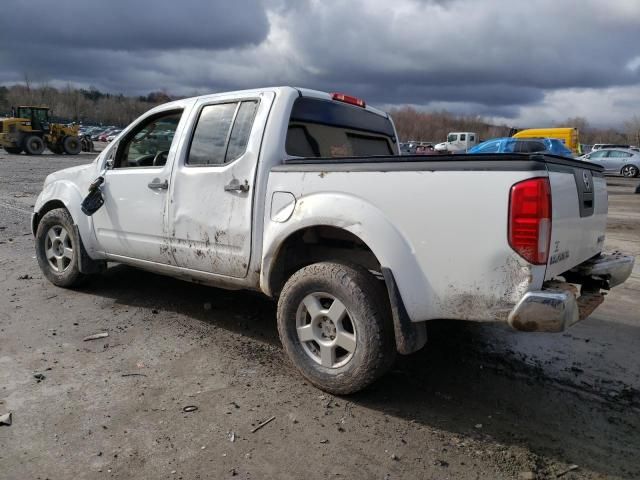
pixel 156 184
pixel 235 186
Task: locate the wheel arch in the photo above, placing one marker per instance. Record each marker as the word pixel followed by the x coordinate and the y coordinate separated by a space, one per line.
pixel 47 207
pixel 358 233
pixel 65 194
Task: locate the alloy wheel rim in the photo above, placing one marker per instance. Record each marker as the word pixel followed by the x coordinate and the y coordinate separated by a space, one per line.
pixel 58 248
pixel 325 330
pixel 629 171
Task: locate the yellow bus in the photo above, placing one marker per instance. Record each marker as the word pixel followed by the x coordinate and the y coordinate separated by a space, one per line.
pixel 567 135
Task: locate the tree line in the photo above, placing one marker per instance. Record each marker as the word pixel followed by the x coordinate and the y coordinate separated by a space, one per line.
pixel 419 125
pixel 87 106
pixel 91 106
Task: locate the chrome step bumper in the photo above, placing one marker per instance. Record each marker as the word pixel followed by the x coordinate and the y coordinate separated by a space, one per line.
pixel 558 305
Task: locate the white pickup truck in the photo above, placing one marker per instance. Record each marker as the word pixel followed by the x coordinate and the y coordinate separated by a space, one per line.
pixel 301 195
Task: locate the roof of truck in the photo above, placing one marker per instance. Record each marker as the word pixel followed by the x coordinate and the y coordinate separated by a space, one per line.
pixel 306 92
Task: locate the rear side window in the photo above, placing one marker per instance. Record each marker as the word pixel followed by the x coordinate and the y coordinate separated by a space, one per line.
pixel 222 133
pixel 325 128
pixel 531 147
pixel 618 154
pixel 241 130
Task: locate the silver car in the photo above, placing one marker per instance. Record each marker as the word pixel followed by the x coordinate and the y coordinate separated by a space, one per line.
pixel 617 161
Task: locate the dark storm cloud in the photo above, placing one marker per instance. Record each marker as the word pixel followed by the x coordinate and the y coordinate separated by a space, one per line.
pixel 135 24
pixel 493 57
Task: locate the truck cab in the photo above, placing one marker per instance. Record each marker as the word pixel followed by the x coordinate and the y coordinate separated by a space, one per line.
pixel 458 142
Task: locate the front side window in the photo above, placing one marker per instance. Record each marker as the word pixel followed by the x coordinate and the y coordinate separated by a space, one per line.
pixel 222 133
pixel 452 138
pixel 149 143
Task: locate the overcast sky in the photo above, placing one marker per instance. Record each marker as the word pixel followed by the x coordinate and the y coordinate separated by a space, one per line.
pixel 523 62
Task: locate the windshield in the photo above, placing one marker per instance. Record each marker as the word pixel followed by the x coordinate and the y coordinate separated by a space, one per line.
pixel 324 128
pixel 490 146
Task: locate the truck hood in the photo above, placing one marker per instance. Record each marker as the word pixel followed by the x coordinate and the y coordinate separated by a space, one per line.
pixel 79 175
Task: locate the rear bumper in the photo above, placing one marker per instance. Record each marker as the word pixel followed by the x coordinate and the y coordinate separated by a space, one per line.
pixel 558 305
pixel 614 268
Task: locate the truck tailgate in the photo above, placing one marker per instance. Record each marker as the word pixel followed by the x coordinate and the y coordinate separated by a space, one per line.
pixel 579 213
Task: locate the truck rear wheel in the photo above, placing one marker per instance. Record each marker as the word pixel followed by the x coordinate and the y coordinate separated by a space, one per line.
pixel 334 323
pixel 33 145
pixel 13 150
pixel 72 145
pixel 57 249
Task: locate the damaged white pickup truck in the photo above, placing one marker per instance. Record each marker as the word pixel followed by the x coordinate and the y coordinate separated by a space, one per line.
pixel 301 195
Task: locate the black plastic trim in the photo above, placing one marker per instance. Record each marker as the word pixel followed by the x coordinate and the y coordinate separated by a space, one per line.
pixel 410 336
pixel 469 162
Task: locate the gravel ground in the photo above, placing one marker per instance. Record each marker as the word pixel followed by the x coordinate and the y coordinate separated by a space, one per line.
pixel 480 401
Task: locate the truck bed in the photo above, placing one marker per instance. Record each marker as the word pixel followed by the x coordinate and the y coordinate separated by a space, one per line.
pixel 452 219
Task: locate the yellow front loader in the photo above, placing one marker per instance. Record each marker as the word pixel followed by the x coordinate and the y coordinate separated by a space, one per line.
pixel 30 130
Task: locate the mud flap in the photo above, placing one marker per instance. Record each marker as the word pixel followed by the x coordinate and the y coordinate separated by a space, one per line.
pixel 410 336
pixel 86 264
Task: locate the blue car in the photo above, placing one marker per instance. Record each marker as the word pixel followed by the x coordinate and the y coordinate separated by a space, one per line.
pixel 522 145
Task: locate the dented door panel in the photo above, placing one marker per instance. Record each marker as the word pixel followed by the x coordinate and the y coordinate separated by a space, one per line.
pixel 210 207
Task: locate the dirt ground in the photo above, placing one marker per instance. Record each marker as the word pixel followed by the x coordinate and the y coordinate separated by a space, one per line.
pixel 480 401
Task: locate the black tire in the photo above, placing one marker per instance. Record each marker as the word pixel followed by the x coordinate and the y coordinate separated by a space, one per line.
pixel 369 319
pixel 67 273
pixel 87 144
pixel 13 150
pixel 630 171
pixel 72 145
pixel 33 145
pixel 57 149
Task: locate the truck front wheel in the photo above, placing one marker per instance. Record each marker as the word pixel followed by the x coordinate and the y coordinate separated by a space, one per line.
pixel 57 249
pixel 334 323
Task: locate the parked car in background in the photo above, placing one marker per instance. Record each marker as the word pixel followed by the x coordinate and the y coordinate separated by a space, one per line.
pixel 102 132
pixel 415 147
pixel 105 135
pixel 113 135
pixel 427 149
pixel 552 146
pixel 600 146
pixel 618 161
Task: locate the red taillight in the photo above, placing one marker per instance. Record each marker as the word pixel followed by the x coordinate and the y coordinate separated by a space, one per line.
pixel 341 97
pixel 530 219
